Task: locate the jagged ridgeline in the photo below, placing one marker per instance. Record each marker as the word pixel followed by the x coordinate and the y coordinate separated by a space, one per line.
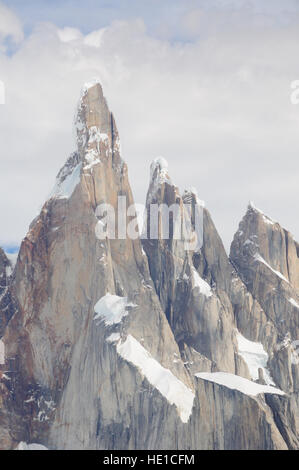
pixel 140 343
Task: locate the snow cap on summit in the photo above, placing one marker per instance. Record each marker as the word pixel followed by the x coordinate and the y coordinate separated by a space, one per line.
pixel 91 83
pixel 266 218
pixel 159 163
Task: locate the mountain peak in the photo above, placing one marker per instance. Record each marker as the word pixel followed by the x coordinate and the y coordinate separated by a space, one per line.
pixel 252 208
pixel 158 177
pixel 92 83
pixel 91 325
pixel 159 168
pixel 261 240
pixel 94 123
pixel 96 137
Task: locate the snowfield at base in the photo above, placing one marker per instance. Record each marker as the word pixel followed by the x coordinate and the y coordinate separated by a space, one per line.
pixel 294 303
pixel 175 391
pixel 203 286
pixel 112 308
pixel 64 189
pixel 255 357
pixel 25 446
pixel 234 382
pixel 259 258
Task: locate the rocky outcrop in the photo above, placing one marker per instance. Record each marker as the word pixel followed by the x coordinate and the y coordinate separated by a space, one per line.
pixel 62 272
pixel 230 409
pixel 185 279
pixel 266 257
pixel 110 334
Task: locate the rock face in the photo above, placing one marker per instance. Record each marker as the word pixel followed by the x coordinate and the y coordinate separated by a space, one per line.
pixel 157 341
pixel 267 258
pixel 6 303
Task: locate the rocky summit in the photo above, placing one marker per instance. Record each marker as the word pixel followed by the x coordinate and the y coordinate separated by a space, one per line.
pixel 145 342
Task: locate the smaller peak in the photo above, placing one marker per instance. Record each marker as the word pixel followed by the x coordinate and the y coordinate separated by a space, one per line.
pixel 159 164
pixel 252 207
pixel 158 177
pixel 159 171
pixel 192 190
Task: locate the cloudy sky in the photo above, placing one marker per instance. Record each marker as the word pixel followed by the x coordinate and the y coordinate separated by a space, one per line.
pixel 205 84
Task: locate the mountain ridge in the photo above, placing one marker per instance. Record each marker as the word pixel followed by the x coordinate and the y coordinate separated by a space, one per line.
pixel 106 335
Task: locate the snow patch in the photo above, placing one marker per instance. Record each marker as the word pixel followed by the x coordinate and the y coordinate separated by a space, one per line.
pixel 158 176
pixel 30 400
pixel 8 271
pixel 234 382
pixel 112 308
pixel 65 187
pixel 204 287
pixel 255 357
pixel 95 135
pixel 92 155
pixel 162 166
pixel 249 242
pixel 294 303
pixel 113 338
pixel 12 258
pixel 24 446
pixel 259 258
pixel 175 391
pixel 266 219
pixel 91 159
pixel 90 84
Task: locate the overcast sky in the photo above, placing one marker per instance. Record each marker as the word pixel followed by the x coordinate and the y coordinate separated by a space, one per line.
pixel 205 84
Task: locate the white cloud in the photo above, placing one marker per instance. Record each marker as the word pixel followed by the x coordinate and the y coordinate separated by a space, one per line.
pixel 69 34
pixel 10 25
pixel 94 38
pixel 217 108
